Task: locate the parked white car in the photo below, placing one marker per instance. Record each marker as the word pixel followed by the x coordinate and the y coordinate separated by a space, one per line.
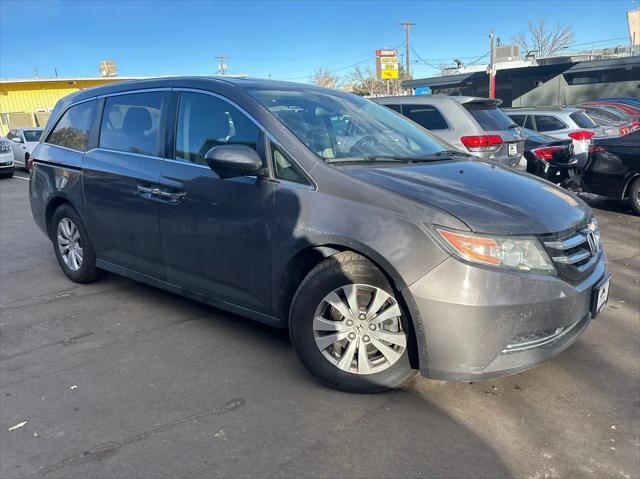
pixel 6 158
pixel 23 141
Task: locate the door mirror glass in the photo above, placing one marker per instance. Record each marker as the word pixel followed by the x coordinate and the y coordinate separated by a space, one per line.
pixel 228 161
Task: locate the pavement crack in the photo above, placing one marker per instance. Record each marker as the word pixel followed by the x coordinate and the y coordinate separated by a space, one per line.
pixel 106 450
pixel 64 342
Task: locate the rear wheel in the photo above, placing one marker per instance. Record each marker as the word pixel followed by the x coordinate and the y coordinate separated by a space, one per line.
pixel 73 250
pixel 634 195
pixel 347 326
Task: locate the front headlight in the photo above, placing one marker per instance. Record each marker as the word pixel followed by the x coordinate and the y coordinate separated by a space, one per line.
pixel 505 252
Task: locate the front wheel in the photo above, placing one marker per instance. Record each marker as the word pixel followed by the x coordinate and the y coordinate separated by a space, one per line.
pixel 634 196
pixel 348 328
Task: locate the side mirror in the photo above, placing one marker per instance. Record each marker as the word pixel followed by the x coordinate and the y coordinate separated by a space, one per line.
pixel 16 139
pixel 228 161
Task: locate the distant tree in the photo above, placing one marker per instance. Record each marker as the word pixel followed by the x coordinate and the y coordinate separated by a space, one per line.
pixel 543 40
pixel 323 77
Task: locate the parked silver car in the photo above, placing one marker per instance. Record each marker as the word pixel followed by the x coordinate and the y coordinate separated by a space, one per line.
pixel 470 124
pixel 562 123
pixel 23 141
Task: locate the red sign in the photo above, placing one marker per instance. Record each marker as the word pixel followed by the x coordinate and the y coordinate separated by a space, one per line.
pixel 386 53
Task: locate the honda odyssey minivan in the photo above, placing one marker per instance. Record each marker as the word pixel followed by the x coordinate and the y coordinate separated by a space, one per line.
pixel 382 251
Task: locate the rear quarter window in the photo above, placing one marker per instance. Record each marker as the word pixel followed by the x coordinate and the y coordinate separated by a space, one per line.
pixel 583 120
pixel 425 115
pixel 488 117
pixel 72 130
pixel 549 123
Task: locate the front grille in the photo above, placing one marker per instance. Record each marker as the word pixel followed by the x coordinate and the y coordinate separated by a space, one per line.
pixel 575 255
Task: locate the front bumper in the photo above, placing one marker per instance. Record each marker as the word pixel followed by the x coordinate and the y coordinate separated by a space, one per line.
pixel 473 321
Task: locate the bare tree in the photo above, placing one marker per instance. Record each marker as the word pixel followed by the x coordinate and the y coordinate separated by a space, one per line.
pixel 366 83
pixel 323 77
pixel 543 40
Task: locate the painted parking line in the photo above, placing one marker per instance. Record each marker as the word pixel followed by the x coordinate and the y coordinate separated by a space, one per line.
pixel 21 177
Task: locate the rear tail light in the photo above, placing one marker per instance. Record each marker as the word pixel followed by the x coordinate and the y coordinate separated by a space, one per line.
pixel 546 152
pixel 482 142
pixel 624 130
pixel 582 135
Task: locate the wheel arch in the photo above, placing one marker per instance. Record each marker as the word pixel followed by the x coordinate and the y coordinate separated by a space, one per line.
pixel 306 259
pixel 52 205
pixel 625 190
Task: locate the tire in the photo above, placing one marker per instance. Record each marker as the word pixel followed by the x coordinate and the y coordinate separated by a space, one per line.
pixel 7 175
pixel 372 372
pixel 66 222
pixel 634 196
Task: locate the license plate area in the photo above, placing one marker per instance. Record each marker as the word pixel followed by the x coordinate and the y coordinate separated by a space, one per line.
pixel 513 149
pixel 600 295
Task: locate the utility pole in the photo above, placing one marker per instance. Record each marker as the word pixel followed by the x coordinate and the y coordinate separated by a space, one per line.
pixel 222 64
pixel 492 71
pixel 407 45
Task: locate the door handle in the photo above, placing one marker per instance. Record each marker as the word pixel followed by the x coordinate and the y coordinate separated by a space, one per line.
pixel 173 197
pixel 147 190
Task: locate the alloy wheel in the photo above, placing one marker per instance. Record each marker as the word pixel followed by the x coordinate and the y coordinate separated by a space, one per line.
pixel 70 244
pixel 357 328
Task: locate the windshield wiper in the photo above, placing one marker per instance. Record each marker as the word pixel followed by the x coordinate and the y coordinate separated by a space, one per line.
pixel 366 159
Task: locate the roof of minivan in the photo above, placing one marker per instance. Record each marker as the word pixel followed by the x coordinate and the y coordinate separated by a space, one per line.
pixel 170 81
pixel 434 99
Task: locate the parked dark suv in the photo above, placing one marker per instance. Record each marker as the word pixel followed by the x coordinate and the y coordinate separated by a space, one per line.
pixel 321 211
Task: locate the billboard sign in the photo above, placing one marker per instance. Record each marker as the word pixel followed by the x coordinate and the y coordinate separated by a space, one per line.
pixel 387 64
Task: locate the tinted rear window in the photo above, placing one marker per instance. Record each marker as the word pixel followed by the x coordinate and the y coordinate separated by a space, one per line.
pixel 548 123
pixel 519 119
pixel 583 120
pixel 131 123
pixel 426 116
pixel 488 117
pixel 72 131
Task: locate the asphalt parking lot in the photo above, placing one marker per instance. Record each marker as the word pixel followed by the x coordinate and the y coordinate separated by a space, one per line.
pixel 120 380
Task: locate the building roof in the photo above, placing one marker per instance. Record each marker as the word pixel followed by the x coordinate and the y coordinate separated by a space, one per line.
pixel 58 79
pixel 554 69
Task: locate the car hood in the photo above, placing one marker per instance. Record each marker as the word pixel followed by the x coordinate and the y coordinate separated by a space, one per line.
pixel 486 197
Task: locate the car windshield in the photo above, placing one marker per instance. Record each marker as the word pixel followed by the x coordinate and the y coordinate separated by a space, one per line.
pixel 337 125
pixel 32 135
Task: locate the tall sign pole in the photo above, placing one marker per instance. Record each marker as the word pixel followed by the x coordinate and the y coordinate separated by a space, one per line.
pixel 492 68
pixel 407 45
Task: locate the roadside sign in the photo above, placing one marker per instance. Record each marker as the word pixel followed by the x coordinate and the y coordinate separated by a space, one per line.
pixel 387 64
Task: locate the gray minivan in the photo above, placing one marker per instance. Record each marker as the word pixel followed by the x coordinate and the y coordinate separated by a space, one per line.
pixel 382 251
pixel 471 124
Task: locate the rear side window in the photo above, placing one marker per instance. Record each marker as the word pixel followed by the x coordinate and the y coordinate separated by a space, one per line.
pixel 583 120
pixel 32 135
pixel 72 130
pixel 426 116
pixel 518 119
pixel 488 117
pixel 205 121
pixel 131 123
pixel 548 123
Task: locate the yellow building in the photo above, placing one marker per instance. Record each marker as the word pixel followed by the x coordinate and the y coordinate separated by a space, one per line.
pixel 26 103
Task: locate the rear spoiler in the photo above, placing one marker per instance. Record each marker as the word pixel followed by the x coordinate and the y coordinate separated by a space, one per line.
pixel 484 101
